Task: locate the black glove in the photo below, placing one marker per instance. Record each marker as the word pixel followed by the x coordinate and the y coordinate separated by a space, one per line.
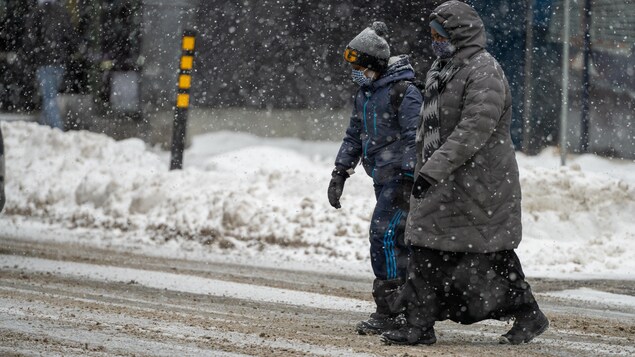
pixel 407 182
pixel 420 187
pixel 336 186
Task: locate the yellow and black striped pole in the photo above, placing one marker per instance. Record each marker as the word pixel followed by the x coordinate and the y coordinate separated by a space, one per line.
pixel 182 99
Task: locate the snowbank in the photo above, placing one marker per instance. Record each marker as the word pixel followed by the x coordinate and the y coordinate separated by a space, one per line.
pixel 575 221
pixel 249 195
pixel 248 199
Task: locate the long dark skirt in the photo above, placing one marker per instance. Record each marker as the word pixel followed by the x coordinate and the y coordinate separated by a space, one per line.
pixel 462 287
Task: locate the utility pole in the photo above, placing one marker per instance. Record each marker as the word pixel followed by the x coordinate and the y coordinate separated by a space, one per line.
pixel 564 110
pixel 528 129
pixel 586 84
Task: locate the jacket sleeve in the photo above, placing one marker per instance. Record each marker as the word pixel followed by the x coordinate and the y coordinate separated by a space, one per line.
pixel 351 148
pixel 484 101
pixel 409 118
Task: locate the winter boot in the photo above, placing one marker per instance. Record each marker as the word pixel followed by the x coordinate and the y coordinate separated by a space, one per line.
pixel 409 335
pixel 526 327
pixel 378 323
pixel 382 319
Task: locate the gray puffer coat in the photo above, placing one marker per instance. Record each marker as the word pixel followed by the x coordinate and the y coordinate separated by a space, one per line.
pixel 473 204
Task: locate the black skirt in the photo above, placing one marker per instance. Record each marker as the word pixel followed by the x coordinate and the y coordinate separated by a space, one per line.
pixel 462 287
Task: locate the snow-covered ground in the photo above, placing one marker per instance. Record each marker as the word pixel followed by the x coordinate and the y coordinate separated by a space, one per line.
pixel 264 200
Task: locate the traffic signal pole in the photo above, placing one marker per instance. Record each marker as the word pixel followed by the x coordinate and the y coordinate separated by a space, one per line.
pixel 182 99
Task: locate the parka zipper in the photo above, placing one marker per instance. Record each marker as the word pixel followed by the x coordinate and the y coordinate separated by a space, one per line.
pixel 375 120
pixel 366 129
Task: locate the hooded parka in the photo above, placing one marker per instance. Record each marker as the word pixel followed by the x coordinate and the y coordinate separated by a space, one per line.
pixel 381 135
pixel 473 204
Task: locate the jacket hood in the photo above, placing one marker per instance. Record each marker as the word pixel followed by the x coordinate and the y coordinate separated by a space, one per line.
pixel 462 22
pixel 399 68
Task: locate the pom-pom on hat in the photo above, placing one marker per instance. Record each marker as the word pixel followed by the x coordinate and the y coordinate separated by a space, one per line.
pixel 370 49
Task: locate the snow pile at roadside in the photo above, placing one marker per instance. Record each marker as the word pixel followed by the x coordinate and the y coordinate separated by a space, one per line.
pixel 263 195
pixel 576 221
pixel 248 199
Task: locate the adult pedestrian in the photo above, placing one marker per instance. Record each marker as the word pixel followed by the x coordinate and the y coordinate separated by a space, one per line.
pixel 465 214
pixel 382 134
pixel 49 43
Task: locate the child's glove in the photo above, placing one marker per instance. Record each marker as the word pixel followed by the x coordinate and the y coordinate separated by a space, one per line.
pixel 336 186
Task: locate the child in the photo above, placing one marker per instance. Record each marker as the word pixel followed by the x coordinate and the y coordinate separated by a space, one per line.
pixel 381 133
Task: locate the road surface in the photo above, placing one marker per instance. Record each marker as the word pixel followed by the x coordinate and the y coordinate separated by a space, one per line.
pixel 74 300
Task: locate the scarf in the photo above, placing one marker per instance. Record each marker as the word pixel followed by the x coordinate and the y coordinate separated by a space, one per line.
pixel 428 132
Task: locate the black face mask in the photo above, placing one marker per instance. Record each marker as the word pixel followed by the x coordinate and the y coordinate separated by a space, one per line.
pixel 443 49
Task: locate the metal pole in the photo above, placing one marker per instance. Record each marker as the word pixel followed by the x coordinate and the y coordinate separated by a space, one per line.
pixel 565 85
pixel 584 140
pixel 528 141
pixel 182 100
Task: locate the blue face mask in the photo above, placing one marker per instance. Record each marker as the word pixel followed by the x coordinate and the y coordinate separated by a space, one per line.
pixel 360 79
pixel 443 49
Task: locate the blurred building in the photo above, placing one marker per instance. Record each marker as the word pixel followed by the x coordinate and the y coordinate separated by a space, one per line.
pixel 285 57
pixel 612 78
pixel 16 81
pixel 610 72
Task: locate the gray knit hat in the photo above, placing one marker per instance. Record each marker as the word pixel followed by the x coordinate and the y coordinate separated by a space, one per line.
pixel 370 49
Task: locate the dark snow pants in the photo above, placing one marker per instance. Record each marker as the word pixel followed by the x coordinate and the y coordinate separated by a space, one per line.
pixel 462 287
pixel 388 253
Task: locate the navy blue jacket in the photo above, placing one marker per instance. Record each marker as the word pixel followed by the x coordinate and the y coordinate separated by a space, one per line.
pixel 384 139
